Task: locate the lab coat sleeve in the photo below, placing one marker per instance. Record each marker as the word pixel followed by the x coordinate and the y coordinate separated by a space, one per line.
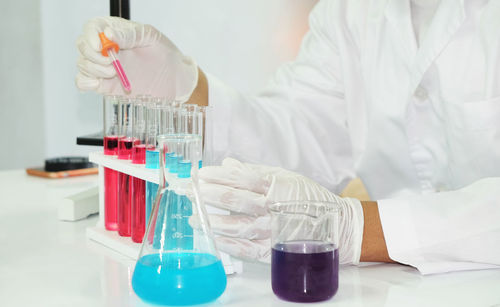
pixel 447 231
pixel 299 121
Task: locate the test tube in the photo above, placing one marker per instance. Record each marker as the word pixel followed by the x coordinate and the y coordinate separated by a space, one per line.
pixel 188 126
pixel 172 157
pixel 180 207
pixel 206 130
pixel 199 130
pixel 192 122
pixel 138 189
pixel 125 145
pixel 138 155
pixel 189 141
pixel 158 122
pixel 111 134
pixel 108 49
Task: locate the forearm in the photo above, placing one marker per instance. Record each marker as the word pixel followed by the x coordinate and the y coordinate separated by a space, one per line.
pixel 200 93
pixel 373 247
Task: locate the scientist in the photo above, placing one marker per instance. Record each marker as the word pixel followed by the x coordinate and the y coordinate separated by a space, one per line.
pixel 404 94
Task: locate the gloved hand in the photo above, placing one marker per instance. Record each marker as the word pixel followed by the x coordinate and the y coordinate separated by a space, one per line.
pixel 246 190
pixel 153 64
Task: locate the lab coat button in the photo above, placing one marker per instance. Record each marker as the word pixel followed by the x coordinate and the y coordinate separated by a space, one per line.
pixel 421 93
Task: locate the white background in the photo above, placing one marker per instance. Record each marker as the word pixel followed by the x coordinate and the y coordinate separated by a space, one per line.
pixel 240 41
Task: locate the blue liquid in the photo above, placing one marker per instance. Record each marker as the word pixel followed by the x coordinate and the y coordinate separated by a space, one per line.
pixel 151 190
pixel 152 161
pixel 179 278
pixel 184 169
pixel 172 162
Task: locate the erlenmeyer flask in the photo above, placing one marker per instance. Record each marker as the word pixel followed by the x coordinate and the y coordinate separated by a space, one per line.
pixel 178 265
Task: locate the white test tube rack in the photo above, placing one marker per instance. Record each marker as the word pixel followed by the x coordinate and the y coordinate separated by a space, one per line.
pixel 125 245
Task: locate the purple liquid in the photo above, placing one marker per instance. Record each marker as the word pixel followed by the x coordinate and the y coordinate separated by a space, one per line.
pixel 305 271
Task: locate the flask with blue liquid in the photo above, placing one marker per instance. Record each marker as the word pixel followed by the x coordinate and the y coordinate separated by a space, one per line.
pixel 179 265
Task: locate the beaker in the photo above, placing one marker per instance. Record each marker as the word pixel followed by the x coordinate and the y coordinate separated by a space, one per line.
pixel 304 254
pixel 111 133
pixel 179 265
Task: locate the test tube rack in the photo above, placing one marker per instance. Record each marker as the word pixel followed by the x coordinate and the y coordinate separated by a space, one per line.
pixel 125 245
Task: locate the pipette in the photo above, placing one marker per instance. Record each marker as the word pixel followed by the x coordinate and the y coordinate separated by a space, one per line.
pixel 108 49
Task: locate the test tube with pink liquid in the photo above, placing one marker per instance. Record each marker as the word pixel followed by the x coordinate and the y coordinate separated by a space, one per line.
pixel 125 145
pixel 111 129
pixel 138 205
pixel 110 48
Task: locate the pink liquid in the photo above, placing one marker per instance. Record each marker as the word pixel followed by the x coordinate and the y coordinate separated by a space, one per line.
pixel 110 199
pixel 111 145
pixel 125 146
pixel 110 186
pixel 124 208
pixel 139 153
pixel 138 209
pixel 121 74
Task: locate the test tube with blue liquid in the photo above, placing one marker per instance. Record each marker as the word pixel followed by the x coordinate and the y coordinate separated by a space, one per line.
pixel 187 123
pixel 155 116
pixel 180 207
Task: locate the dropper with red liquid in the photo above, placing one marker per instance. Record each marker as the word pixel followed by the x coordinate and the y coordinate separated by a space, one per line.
pixel 109 48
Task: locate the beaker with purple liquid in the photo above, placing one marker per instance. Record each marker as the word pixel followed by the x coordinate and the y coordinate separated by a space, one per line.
pixel 304 255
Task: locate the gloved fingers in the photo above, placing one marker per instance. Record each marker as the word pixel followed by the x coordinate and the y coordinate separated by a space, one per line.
pixel 92 69
pixel 98 85
pixel 259 250
pixel 128 34
pixel 267 170
pixel 259 169
pixel 237 226
pixel 91 32
pixel 86 83
pixel 91 53
pixel 235 174
pixel 234 200
pixel 119 30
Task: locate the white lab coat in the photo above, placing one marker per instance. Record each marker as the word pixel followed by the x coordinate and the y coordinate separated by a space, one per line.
pixel 419 126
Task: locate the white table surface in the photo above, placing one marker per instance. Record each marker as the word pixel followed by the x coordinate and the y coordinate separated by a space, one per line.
pixel 46 262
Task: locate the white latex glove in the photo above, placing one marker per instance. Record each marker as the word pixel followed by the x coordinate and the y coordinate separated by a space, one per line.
pixel 246 190
pixel 153 64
